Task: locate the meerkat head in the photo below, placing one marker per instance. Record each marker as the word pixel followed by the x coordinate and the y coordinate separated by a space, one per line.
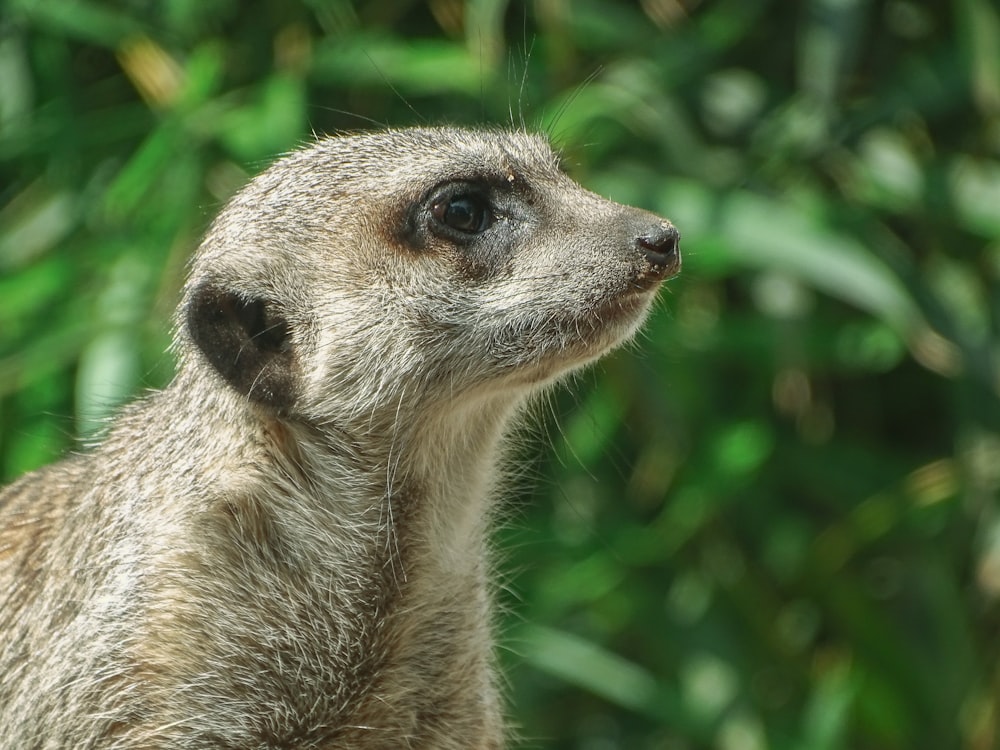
pixel 416 265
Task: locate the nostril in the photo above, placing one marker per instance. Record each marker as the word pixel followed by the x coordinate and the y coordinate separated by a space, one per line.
pixel 661 246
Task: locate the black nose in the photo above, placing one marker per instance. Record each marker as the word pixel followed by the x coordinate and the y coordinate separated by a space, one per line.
pixel 661 246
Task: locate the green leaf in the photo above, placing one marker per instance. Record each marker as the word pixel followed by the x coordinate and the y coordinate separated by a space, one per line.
pixel 419 66
pixel 271 124
pixel 588 665
pixel 742 229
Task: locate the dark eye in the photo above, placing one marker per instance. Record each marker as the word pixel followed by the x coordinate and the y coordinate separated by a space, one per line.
pixel 468 214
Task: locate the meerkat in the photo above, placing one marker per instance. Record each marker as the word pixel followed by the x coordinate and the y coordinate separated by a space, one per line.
pixel 287 547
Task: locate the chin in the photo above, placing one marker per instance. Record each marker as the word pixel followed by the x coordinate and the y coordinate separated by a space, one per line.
pixel 575 341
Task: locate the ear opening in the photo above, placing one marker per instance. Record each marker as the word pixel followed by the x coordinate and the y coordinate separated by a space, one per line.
pixel 248 342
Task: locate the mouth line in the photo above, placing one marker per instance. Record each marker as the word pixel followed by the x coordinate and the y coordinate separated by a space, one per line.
pixel 626 303
pixel 606 325
pixel 567 339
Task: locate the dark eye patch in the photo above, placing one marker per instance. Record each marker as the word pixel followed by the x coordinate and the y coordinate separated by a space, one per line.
pixel 476 222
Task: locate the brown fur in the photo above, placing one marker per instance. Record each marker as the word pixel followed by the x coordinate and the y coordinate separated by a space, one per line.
pixel 286 548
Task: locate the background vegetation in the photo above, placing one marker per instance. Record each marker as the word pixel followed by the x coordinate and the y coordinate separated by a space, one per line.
pixel 770 524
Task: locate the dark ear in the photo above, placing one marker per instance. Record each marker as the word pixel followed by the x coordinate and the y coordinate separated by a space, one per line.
pixel 248 342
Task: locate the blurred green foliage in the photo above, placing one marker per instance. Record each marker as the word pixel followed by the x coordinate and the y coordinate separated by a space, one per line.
pixel 771 523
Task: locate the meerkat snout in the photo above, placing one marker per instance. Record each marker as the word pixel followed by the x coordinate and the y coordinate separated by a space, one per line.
pixel 288 546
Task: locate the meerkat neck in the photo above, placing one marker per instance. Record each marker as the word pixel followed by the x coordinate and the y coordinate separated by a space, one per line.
pixel 436 474
pixel 382 531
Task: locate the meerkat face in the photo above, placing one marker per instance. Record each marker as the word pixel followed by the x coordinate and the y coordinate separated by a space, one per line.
pixel 549 275
pixel 418 261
